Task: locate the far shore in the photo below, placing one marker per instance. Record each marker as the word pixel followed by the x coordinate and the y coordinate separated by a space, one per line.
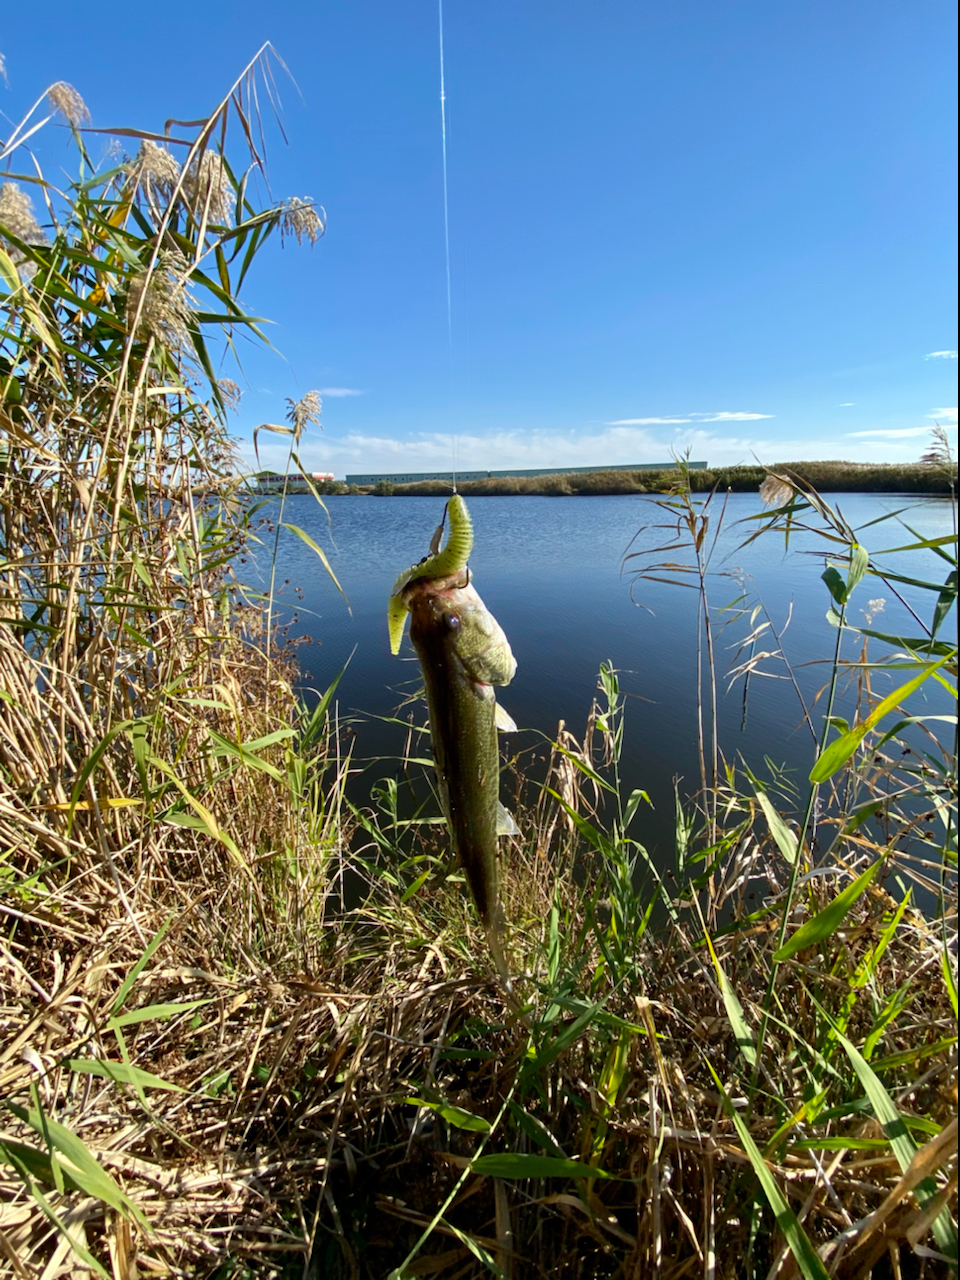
pixel 826 477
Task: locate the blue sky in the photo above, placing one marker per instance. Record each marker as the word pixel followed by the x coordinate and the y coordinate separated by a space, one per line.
pixel 725 226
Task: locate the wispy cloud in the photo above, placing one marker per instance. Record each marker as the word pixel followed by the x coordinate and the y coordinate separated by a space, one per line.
pixel 847 404
pixel 724 415
pixel 358 450
pixel 648 422
pixel 948 414
pixel 900 433
pixel 731 417
pixel 337 393
pixel 622 444
pixel 940 355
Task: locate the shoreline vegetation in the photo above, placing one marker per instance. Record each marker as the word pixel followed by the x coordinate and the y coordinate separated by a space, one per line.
pixel 825 477
pixel 250 1028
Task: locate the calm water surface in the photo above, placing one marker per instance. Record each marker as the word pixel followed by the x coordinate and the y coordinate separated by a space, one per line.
pixel 553 573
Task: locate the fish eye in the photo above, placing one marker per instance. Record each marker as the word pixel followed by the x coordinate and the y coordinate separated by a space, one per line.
pixel 451 621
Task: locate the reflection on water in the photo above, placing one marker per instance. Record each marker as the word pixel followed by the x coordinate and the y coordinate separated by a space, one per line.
pixel 552 571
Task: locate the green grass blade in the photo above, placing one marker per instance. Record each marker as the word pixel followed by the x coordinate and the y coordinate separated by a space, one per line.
pixel 312 726
pixel 839 751
pixel 90 764
pixel 945 601
pixel 77 1160
pixel 949 977
pixel 151 1011
pixel 731 1002
pixel 827 921
pixel 553 1048
pixel 903 1145
pixel 473 1247
pixel 859 563
pixel 49 1212
pixel 786 840
pixel 518 1164
pixel 305 537
pixel 224 747
pixel 803 1251
pixel 456 1116
pixel 536 1130
pixel 121 1072
pixel 138 968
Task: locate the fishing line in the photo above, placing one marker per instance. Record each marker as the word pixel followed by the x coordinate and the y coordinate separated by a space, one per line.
pixel 446 214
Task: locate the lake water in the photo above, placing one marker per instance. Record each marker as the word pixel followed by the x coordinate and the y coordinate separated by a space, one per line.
pixel 552 572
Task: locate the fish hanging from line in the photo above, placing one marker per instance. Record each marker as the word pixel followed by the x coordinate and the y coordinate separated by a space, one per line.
pixel 463 653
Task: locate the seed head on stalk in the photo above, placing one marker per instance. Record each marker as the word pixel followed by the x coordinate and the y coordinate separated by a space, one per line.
pixel 230 392
pixel 16 214
pixel 300 218
pixel 775 491
pixel 207 187
pixel 304 411
pixel 67 102
pixel 164 303
pixel 154 171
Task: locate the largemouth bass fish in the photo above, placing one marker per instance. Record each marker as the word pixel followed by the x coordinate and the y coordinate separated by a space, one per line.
pixel 463 653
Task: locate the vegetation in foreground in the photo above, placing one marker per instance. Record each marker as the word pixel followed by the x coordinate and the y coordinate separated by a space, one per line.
pixel 213 1064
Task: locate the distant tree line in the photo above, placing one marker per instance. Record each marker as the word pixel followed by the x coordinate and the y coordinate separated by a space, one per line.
pixel 826 477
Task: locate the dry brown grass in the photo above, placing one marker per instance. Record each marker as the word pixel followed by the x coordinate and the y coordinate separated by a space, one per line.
pixel 294 1139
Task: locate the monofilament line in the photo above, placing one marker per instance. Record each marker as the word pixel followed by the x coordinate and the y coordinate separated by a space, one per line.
pixel 446 215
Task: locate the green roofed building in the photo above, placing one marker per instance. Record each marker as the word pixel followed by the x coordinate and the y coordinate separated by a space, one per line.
pixel 412 477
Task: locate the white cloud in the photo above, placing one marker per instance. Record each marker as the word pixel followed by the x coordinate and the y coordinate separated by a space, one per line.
pixel 610 444
pixel 723 416
pixel 940 355
pixel 647 422
pixel 337 393
pixel 847 404
pixel 946 415
pixel 732 417
pixel 901 433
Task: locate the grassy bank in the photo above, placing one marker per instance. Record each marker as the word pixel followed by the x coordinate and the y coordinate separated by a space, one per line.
pixel 825 477
pixel 211 1066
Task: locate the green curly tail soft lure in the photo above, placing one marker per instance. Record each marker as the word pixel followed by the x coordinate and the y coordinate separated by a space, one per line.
pixel 440 564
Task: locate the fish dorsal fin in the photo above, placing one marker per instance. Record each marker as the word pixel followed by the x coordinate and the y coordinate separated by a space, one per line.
pixel 504 720
pixel 451 559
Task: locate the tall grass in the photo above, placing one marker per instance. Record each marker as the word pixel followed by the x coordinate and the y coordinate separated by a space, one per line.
pixel 250 1029
pixel 154 778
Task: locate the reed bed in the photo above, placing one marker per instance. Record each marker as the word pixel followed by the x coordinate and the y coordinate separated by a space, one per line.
pixel 313 1112
pixel 250 1028
pixel 826 477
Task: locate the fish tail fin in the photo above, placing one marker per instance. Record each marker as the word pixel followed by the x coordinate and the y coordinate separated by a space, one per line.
pixel 495 940
pixel 496 933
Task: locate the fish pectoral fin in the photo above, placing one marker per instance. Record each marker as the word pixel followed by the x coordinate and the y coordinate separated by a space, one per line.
pixel 504 720
pixel 506 823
